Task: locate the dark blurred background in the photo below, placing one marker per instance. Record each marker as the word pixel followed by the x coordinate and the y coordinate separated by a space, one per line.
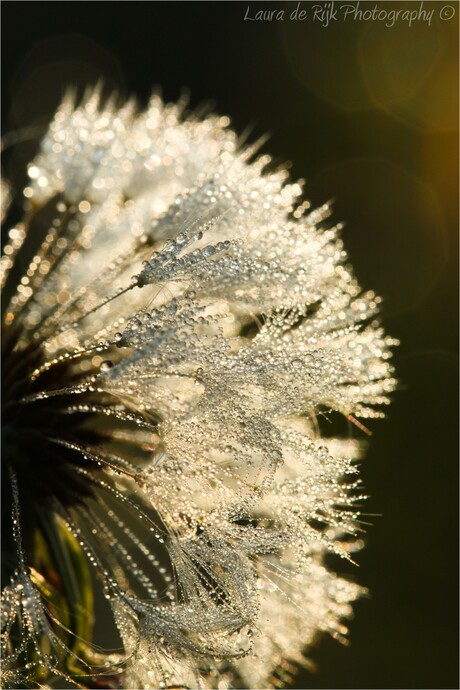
pixel 367 113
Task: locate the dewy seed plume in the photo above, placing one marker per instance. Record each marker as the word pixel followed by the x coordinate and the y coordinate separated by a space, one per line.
pixel 177 326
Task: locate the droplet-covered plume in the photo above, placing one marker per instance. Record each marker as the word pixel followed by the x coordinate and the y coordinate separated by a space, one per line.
pixel 179 331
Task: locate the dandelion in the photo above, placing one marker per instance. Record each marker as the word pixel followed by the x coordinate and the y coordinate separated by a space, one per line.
pixel 179 329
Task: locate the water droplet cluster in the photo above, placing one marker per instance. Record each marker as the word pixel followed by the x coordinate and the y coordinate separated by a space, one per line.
pixel 183 327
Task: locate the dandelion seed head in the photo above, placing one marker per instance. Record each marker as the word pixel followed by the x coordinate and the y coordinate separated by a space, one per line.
pixel 183 326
